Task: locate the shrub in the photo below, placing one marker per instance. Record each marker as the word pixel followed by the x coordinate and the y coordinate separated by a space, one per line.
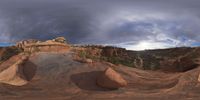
pixel 82 54
pixel 10 51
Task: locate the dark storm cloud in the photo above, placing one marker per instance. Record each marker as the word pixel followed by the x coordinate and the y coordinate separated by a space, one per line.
pixel 121 22
pixel 43 20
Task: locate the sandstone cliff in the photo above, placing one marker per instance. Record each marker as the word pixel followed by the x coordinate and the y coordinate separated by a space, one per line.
pixel 55 45
pixel 173 60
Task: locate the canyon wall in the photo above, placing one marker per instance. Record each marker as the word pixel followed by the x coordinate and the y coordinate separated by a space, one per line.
pixel 173 60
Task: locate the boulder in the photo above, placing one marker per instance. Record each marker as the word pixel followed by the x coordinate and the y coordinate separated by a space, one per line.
pixel 60 39
pixel 199 78
pixel 83 60
pixel 49 42
pixel 111 79
pixel 88 61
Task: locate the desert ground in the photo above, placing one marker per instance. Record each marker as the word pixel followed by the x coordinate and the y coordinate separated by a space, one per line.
pixel 55 75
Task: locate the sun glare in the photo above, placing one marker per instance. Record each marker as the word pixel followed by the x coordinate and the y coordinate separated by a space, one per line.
pixel 144 45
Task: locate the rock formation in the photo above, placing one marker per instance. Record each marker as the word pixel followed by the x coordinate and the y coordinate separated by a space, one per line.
pixel 83 60
pixel 14 74
pixel 7 52
pixel 22 44
pixel 199 78
pixel 60 39
pixel 113 51
pixel 138 62
pixel 111 79
pixel 57 76
pixel 55 45
pixel 185 64
pixel 179 64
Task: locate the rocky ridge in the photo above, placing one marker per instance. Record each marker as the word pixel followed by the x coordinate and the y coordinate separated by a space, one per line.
pixel 98 72
pixel 56 45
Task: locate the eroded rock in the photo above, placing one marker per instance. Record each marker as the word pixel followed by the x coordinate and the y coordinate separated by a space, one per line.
pixel 111 79
pixel 83 60
pixel 55 45
pixel 14 74
pixel 23 43
pixel 60 39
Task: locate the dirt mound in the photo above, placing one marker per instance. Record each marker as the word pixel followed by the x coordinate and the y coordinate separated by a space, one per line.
pixel 111 79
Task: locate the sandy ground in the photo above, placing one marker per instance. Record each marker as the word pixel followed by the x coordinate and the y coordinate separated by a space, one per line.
pixel 57 76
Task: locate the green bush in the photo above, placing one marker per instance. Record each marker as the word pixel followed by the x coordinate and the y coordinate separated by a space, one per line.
pixel 82 54
pixel 10 51
pixel 118 60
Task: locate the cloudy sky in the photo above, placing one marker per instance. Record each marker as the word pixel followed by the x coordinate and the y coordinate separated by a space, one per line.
pixel 133 24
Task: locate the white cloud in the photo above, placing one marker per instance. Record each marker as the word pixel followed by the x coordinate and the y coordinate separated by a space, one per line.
pixel 143 45
pixel 4 36
pixel 154 44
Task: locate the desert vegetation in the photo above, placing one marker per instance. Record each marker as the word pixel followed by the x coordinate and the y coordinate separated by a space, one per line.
pixel 146 60
pixel 7 52
pixel 35 70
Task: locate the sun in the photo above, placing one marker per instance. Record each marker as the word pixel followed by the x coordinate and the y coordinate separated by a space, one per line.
pixel 144 45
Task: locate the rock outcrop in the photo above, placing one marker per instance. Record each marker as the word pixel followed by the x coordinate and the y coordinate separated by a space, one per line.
pixel 83 60
pixel 113 51
pixel 55 45
pixel 138 62
pixel 47 47
pixel 60 39
pixel 7 52
pixel 179 65
pixel 14 74
pixel 199 78
pixel 111 79
pixel 22 44
pixel 185 64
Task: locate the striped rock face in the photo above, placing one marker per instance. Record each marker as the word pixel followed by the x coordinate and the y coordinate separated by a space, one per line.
pixel 55 45
pixel 19 73
pixel 22 44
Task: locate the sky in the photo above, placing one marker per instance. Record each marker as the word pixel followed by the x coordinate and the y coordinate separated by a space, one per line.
pixel 132 24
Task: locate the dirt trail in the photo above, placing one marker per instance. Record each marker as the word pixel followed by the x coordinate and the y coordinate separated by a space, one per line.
pixel 59 77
